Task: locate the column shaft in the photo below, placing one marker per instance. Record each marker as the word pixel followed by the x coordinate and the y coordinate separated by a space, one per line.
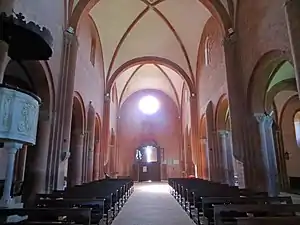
pixel 194 130
pixel 75 161
pixel 237 107
pixel 64 107
pixel 21 164
pixel 11 149
pixel 39 166
pixel 96 170
pixel 268 151
pixel 105 133
pixel 224 150
pixel 91 141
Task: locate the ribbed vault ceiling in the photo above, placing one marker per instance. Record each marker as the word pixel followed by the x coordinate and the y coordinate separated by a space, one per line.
pixel 169 29
pixel 150 76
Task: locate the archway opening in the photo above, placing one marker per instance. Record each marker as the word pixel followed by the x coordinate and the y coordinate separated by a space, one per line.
pixel 148 162
pixel 74 173
pixel 225 151
pixel 297 127
pixel 272 85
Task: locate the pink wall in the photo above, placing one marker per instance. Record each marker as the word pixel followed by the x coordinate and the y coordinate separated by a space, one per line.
pixel 89 80
pixel 137 128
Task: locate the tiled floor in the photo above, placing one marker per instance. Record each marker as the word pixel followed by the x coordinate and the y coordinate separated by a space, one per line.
pixel 152 204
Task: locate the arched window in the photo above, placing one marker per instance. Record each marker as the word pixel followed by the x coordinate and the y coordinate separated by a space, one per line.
pixel 207 50
pixel 297 127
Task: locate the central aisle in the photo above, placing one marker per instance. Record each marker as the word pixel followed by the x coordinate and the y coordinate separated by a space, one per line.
pixel 152 204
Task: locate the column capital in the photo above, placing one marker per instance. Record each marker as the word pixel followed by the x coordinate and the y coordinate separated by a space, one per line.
pixel 223 133
pixel 229 39
pixel 107 97
pixel 44 115
pixel 12 147
pixel 287 2
pixel 264 119
pixel 70 37
pixel 203 140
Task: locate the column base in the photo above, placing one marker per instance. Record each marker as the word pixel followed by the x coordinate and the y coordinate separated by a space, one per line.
pixel 10 203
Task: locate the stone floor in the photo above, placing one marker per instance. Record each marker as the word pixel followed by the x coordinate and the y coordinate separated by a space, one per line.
pixel 152 204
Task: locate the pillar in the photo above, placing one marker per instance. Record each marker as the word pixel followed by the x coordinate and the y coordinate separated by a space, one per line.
pixel 195 130
pixel 224 148
pixel 205 159
pixel 21 166
pixel 7 7
pixel 76 158
pixel 62 132
pixel 237 106
pixel 11 148
pixel 91 141
pixel 210 142
pixel 227 157
pixel 105 132
pixel 265 123
pixel 39 166
pixel 84 164
pixel 292 15
pixel 96 170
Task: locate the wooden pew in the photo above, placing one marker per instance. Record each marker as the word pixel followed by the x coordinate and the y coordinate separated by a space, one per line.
pixel 47 216
pixel 98 207
pixel 228 214
pixel 293 220
pixel 208 203
pixel 105 197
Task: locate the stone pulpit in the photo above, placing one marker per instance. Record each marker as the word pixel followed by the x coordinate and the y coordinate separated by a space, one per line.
pixel 19 112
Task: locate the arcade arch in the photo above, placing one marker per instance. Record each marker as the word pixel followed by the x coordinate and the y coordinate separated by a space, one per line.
pixel 270 93
pixel 32 161
pixel 75 163
pixel 224 139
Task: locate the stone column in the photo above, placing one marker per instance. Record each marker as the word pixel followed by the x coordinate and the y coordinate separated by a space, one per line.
pixel 227 156
pixel 292 15
pixel 224 149
pixel 268 151
pixel 91 120
pixel 105 132
pixel 231 160
pixel 194 129
pixel 11 148
pixel 7 7
pixel 21 164
pixel 96 170
pixel 85 157
pixel 237 105
pixel 206 159
pixel 65 104
pixel 210 142
pixel 76 158
pixel 39 166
